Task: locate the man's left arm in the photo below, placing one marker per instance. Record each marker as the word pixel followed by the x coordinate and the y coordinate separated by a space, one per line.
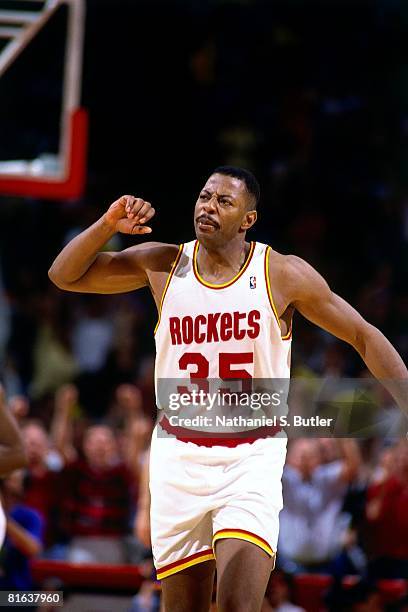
pixel 310 294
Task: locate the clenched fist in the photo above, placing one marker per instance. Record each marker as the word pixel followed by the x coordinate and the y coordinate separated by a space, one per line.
pixel 128 215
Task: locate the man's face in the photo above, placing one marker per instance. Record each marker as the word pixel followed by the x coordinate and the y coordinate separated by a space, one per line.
pixel 99 446
pixel 36 443
pixel 221 211
pixel 13 484
pixel 304 455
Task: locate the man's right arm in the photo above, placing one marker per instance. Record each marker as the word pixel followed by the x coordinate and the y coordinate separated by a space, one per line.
pixel 82 267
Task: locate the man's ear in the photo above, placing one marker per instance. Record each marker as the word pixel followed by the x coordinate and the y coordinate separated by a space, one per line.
pixel 249 220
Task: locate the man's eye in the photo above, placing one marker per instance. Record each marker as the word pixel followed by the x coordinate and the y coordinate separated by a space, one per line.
pixel 203 196
pixel 226 202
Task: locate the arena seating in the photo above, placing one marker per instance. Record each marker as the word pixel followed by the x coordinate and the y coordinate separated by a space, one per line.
pixel 392 590
pixel 309 589
pixel 92 575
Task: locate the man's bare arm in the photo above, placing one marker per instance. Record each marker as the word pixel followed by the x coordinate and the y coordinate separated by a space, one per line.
pixel 12 454
pixel 22 539
pixel 310 294
pixel 82 267
pixel 351 459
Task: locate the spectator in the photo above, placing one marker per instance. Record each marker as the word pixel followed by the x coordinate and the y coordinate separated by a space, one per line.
pixel 19 406
pixel 134 425
pixel 142 521
pixel 92 339
pixel 23 535
pixel 312 525
pixel 54 363
pixel 361 597
pixel 41 477
pixel 12 452
pixel 66 401
pixel 97 500
pixel 387 519
pixel 134 432
pixel 139 542
pixel 92 336
pixel 278 594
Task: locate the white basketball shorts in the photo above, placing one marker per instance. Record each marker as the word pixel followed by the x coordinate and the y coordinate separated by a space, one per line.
pixel 202 494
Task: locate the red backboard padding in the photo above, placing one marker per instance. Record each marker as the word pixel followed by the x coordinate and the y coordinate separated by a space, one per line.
pixel 71 186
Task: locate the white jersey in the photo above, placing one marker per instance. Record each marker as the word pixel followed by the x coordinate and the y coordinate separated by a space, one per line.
pixel 219 332
pixel 209 486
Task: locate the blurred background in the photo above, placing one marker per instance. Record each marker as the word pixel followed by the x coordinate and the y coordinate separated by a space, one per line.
pixel 310 96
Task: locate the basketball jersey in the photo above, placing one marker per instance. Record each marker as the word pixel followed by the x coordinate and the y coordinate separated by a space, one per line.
pixel 223 331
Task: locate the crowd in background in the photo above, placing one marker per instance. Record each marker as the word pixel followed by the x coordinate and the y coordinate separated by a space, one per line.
pixel 310 97
pixel 84 499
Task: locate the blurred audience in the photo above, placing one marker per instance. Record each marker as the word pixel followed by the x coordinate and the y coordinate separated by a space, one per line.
pixel 53 360
pixel 387 518
pixel 135 428
pixel 313 528
pixel 24 535
pixel 141 525
pixel 278 594
pixel 41 477
pixel 97 499
pixel 325 144
pixel 361 597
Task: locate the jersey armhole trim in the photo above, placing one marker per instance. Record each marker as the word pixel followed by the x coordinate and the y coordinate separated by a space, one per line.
pixel 166 286
pixel 287 336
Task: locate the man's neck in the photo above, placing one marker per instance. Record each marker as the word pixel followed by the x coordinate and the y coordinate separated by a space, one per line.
pixel 224 261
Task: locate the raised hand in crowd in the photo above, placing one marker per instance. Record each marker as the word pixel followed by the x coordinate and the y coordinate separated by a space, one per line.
pixel 66 399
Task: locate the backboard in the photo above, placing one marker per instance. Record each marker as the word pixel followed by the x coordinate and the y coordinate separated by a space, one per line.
pixel 58 174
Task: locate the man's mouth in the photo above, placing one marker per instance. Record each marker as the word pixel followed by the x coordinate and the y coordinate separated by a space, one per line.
pixel 206 223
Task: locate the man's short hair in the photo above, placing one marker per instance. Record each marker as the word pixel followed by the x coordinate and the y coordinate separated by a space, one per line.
pixel 251 184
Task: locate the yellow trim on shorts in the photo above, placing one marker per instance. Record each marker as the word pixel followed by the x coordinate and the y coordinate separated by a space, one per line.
pixel 246 536
pixel 166 286
pixel 288 335
pixel 184 564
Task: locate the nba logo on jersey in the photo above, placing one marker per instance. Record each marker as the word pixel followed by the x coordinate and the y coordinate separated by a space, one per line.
pixel 252 282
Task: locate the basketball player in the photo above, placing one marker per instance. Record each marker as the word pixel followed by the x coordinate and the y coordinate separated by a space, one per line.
pixel 225 308
pixel 12 454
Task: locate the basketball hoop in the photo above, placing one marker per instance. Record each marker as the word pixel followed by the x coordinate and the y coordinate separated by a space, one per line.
pixel 53 176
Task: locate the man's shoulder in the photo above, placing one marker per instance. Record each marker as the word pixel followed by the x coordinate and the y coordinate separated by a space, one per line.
pixel 292 276
pixel 287 274
pixel 287 265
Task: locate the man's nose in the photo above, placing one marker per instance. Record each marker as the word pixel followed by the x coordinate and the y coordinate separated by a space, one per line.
pixel 211 204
